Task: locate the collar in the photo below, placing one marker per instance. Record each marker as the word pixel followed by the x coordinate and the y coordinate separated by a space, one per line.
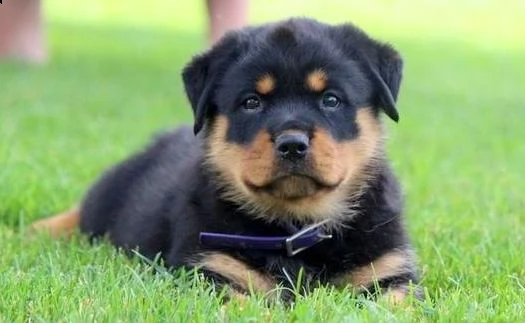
pixel 300 240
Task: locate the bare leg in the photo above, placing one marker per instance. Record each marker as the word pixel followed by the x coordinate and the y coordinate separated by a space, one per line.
pixel 225 15
pixel 21 30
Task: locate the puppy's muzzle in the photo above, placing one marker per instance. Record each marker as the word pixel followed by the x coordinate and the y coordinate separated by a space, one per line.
pixel 292 146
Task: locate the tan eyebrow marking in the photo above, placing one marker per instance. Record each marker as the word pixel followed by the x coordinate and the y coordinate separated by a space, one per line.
pixel 317 80
pixel 265 84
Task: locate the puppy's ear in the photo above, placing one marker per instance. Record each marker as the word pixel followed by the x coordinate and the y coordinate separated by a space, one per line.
pixel 203 72
pixel 387 73
pixel 381 62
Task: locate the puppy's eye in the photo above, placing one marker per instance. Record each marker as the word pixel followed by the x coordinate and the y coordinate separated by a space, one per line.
pixel 252 103
pixel 330 101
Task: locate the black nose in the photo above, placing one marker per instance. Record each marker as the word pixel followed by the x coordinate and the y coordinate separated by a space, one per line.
pixel 292 145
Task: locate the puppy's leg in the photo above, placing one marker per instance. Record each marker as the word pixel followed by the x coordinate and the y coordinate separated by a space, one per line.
pixel 393 273
pixel 224 268
pixel 397 295
pixel 62 224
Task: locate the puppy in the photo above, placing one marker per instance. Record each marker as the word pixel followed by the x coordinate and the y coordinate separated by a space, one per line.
pixel 283 172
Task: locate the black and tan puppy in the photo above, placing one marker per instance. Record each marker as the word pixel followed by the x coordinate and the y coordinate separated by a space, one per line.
pixel 287 170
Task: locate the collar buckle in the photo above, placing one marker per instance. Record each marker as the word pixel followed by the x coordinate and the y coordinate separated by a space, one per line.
pixel 318 236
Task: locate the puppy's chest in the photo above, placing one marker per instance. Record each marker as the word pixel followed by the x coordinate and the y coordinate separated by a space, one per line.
pixel 321 263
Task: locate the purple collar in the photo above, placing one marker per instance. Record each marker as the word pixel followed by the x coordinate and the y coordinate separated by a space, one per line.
pixel 293 244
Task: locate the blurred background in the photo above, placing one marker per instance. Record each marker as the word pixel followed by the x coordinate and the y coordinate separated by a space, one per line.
pixel 109 78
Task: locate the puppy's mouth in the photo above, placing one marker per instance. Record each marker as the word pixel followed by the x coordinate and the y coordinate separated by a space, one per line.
pixel 293 187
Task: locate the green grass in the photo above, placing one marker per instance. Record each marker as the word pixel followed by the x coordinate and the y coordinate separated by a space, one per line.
pixel 114 80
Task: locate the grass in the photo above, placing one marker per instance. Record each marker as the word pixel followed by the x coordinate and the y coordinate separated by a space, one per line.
pixel 114 80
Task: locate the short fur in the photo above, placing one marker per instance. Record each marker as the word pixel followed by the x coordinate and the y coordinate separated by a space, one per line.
pixel 255 85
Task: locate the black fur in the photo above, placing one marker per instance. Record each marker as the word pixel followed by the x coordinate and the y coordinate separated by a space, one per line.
pixel 160 199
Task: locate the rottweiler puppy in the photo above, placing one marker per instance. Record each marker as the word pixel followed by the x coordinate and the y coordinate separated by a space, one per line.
pixel 284 171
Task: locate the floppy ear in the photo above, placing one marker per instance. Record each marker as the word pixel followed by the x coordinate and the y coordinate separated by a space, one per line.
pixel 387 73
pixel 382 63
pixel 203 72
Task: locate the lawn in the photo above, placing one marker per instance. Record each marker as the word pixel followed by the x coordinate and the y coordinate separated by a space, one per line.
pixel 113 81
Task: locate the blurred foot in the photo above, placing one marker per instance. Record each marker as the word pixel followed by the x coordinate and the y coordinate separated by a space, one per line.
pixel 225 15
pixel 21 31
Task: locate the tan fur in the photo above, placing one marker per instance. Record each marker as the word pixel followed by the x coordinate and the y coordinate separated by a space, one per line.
pixel 338 164
pixel 63 224
pixel 293 187
pixel 265 84
pixel 388 265
pixel 325 156
pixel 396 296
pixel 237 272
pixel 363 151
pixel 317 80
pixel 258 160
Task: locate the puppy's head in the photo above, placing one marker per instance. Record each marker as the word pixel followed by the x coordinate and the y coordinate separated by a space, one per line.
pixel 290 112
